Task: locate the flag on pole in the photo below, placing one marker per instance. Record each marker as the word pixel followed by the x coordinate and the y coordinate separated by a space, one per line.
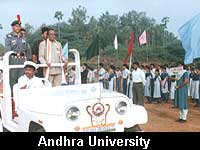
pixel 143 38
pixel 190 38
pixel 130 48
pixel 93 49
pixel 115 42
pixel 65 51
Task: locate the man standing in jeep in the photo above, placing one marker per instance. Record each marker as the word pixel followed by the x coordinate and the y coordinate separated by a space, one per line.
pixel 15 42
pixel 50 51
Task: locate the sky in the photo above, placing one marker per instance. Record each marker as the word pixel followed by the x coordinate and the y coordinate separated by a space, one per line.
pixel 37 12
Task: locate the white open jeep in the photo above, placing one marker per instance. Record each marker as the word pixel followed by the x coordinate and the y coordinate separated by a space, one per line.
pixel 70 108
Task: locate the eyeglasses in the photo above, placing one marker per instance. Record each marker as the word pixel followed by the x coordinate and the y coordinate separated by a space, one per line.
pixel 52 34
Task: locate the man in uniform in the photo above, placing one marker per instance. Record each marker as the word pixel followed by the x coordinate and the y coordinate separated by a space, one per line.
pixel 15 42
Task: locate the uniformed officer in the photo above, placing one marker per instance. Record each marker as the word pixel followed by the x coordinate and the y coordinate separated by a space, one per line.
pixel 15 42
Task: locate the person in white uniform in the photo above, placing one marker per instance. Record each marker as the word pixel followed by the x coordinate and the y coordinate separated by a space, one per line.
pixel 147 88
pixel 138 78
pixel 157 90
pixel 101 74
pixel 29 80
pixel 125 74
pixel 112 79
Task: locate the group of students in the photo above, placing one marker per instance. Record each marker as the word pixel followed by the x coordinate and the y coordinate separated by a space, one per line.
pixel 158 82
pixel 161 84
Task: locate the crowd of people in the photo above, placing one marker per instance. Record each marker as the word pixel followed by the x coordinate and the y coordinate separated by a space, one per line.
pixel 155 83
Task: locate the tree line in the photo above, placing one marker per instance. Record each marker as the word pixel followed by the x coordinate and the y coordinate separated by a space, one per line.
pixel 80 29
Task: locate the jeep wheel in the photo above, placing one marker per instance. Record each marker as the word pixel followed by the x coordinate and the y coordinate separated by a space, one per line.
pixel 135 128
pixel 34 127
pixel 5 130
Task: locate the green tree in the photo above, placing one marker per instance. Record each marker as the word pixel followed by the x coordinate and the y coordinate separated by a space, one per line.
pixel 163 25
pixel 58 15
pixel 108 26
pixel 93 27
pixel 78 20
pixel 29 32
pixel 80 30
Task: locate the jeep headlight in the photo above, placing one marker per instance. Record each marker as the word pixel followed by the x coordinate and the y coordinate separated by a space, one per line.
pixel 121 107
pixel 72 113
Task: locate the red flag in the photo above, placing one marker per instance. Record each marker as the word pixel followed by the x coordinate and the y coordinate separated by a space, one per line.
pixel 18 18
pixel 130 48
pixel 143 38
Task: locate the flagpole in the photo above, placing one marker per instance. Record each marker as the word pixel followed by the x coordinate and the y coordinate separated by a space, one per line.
pixel 98 61
pixel 147 54
pixel 130 62
pixel 128 81
pixel 117 58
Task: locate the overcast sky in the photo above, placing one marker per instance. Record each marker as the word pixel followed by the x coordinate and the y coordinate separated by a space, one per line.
pixel 37 12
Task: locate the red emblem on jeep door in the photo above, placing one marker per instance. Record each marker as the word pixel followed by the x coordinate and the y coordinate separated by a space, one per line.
pixel 98 113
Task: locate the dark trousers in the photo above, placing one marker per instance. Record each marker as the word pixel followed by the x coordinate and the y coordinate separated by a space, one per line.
pixel 198 102
pixel 118 84
pixel 149 99
pixel 165 96
pixel 39 72
pixel 138 94
pixel 15 73
pixel 124 86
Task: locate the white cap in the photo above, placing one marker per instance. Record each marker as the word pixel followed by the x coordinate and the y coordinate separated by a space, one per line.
pixel 30 63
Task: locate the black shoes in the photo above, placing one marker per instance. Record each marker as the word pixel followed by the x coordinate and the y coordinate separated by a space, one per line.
pixel 181 120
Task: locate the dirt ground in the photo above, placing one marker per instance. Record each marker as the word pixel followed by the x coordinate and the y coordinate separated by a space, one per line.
pixel 163 118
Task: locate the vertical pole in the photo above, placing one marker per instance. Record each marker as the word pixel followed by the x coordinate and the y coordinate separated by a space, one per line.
pixel 117 63
pixel 128 81
pixel 147 54
pixel 130 62
pixel 98 61
pixel 146 45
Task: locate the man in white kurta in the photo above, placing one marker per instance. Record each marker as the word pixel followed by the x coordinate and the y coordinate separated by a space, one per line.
pixel 50 51
pixel 29 80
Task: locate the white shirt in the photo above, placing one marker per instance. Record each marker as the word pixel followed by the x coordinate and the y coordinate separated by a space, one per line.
pixel 35 82
pixel 101 73
pixel 125 73
pixel 138 76
pixel 153 72
pixel 90 76
pixel 106 76
pixel 111 84
pixel 118 74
